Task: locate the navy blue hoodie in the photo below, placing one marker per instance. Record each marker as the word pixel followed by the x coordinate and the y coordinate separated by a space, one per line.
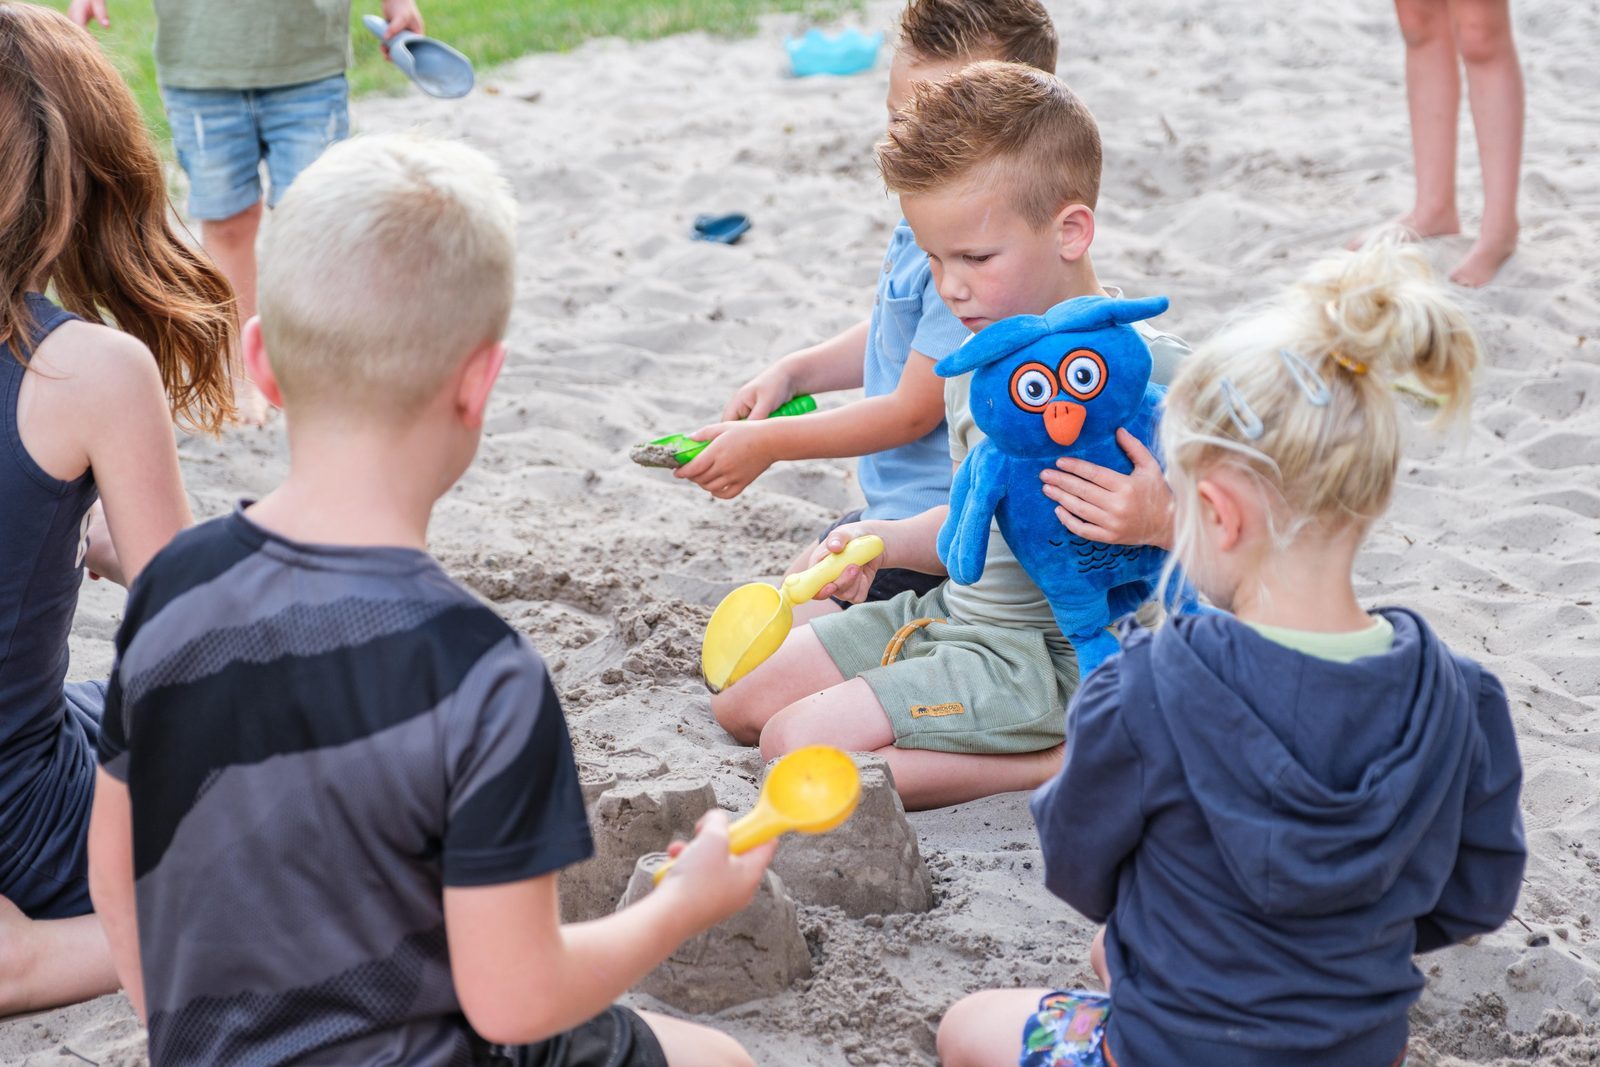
pixel 1270 836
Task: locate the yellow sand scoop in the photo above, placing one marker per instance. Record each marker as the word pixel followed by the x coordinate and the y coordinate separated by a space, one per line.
pixel 753 620
pixel 811 790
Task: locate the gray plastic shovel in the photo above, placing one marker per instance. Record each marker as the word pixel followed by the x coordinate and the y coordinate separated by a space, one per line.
pixel 438 69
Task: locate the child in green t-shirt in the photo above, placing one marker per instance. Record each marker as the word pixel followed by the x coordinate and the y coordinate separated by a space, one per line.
pixel 245 84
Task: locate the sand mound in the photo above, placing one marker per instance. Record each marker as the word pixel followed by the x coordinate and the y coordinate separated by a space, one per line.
pixel 752 955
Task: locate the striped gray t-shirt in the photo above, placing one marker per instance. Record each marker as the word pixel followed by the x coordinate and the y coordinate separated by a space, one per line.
pixel 316 740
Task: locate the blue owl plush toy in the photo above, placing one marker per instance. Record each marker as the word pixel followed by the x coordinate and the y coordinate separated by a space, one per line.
pixel 1043 387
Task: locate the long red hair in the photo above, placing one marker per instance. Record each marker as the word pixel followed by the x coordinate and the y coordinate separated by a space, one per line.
pixel 83 208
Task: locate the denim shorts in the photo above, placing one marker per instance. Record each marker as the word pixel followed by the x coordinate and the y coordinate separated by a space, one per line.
pixel 223 135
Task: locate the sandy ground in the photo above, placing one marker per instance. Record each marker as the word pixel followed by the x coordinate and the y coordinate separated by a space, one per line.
pixel 1237 149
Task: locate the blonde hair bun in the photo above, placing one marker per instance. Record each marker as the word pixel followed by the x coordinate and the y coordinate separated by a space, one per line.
pixel 1386 314
pixel 1298 393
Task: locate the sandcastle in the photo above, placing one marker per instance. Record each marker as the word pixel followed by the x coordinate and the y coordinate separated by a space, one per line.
pixel 634 808
pixel 756 953
pixel 869 866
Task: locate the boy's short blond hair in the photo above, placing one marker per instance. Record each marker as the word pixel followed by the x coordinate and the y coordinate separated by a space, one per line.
pixel 1017 31
pixel 389 261
pixel 1001 123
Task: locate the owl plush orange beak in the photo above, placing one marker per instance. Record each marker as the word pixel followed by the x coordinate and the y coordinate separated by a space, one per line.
pixel 1063 420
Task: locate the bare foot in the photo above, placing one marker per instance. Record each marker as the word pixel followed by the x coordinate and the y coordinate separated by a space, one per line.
pixel 1417 224
pixel 251 408
pixel 1484 261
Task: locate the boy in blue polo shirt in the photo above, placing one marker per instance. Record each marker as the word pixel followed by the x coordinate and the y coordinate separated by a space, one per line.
pixel 898 428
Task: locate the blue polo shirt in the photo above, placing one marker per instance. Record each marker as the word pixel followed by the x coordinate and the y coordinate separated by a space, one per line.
pixel 907 315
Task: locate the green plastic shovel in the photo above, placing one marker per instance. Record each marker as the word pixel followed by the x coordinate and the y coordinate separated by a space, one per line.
pixel 677 449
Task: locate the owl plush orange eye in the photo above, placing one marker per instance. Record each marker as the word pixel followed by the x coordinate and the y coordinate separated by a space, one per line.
pixel 1033 386
pixel 1083 373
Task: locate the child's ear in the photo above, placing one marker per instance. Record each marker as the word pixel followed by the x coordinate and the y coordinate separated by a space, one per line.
pixel 1074 229
pixel 253 350
pixel 478 375
pixel 1221 516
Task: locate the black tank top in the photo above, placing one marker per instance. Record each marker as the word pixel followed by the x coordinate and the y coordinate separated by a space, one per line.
pixel 46 756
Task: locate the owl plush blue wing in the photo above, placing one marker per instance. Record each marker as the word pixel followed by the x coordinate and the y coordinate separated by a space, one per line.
pixel 974 495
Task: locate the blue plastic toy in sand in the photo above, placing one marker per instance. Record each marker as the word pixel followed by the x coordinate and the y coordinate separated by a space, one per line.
pixel 847 52
pixel 721 229
pixel 438 69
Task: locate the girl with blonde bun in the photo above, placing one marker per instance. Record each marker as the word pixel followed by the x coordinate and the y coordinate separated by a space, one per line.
pixel 1273 810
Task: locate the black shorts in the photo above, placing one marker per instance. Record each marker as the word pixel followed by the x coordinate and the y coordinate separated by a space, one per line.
pixel 891 581
pixel 617 1037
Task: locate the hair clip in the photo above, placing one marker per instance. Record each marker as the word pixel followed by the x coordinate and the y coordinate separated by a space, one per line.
pixel 1354 366
pixel 1306 377
pixel 1244 420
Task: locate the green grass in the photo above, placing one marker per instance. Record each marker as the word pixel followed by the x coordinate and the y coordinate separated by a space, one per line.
pixel 489 31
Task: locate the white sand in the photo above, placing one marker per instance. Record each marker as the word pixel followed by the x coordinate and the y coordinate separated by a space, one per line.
pixel 1237 150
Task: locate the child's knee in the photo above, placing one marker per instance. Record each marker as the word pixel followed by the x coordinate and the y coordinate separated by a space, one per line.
pixel 235 229
pixel 733 1054
pixel 1483 34
pixel 688 1044
pixel 780 736
pixel 964 1035
pixel 1422 21
pixel 733 716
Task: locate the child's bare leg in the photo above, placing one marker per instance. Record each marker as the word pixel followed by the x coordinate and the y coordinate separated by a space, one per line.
pixel 1433 95
pixel 1097 958
pixel 849 716
pixel 985 1029
pixel 231 244
pixel 689 1044
pixel 1494 85
pixel 926 779
pixel 801 666
pixel 47 963
pixel 814 609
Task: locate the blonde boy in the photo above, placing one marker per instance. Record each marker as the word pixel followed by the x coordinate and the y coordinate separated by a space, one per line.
pixel 898 427
pixel 962 689
pixel 335 789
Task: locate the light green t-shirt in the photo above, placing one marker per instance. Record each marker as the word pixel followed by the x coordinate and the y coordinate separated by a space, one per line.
pixel 1005 595
pixel 1346 647
pixel 250 44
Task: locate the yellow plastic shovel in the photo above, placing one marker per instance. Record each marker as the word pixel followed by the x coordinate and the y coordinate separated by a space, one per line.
pixel 811 790
pixel 752 621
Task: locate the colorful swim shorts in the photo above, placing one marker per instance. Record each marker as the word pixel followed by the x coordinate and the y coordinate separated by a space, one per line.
pixel 1068 1030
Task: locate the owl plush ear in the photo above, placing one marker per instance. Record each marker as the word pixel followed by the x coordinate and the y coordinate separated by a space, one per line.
pixel 995 343
pixel 1099 312
pixel 1079 315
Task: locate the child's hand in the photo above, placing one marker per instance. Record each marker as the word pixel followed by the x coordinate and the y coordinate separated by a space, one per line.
pixel 1098 504
pixel 853 583
pixel 735 458
pixel 81 11
pixel 712 882
pixel 757 398
pixel 401 15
